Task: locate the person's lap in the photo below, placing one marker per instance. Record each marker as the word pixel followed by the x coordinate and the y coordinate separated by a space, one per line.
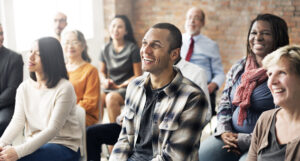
pixel 51 152
pixel 211 150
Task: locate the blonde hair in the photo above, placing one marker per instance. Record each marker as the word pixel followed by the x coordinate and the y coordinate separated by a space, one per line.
pixel 289 53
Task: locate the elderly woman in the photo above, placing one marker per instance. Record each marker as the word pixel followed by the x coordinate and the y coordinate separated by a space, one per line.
pixel 276 136
pixel 45 107
pixel 246 94
pixel 83 75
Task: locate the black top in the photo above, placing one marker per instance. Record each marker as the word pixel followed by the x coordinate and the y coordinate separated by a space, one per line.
pixel 11 76
pixel 143 148
pixel 274 151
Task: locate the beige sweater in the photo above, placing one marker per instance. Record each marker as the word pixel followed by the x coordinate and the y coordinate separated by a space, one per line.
pixel 48 115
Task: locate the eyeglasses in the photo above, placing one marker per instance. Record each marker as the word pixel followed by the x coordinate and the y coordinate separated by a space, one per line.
pixel 60 20
pixel 73 43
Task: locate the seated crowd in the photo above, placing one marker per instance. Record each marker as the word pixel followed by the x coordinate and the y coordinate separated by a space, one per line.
pixel 158 97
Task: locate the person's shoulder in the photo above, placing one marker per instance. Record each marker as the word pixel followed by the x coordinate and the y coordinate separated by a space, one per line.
pixel 107 46
pixel 238 63
pixel 12 53
pixel 132 45
pixel 207 40
pixel 268 114
pixel 185 64
pixel 89 66
pixel 138 80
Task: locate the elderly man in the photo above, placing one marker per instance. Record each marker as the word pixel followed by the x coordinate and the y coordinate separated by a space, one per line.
pixel 11 75
pixel 202 51
pixel 164 112
pixel 60 22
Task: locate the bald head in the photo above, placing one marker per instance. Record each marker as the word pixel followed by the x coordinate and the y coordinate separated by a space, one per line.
pixel 195 20
pixel 60 22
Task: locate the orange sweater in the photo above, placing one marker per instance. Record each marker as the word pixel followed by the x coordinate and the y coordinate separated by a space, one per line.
pixel 86 83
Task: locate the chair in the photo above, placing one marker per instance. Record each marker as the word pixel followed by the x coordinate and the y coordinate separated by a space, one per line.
pixel 80 113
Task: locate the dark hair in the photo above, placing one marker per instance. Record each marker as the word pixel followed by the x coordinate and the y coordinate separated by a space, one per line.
pixel 52 60
pixel 279 31
pixel 174 38
pixel 129 36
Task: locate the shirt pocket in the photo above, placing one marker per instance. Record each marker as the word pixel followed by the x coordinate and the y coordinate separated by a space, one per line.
pixel 129 122
pixel 168 125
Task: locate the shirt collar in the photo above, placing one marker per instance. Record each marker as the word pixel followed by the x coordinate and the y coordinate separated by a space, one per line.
pixel 172 88
pixel 197 37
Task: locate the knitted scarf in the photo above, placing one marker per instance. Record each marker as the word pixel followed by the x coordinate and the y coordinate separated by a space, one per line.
pixel 251 78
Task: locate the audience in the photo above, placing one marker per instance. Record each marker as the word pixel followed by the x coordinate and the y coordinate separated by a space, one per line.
pixel 162 105
pixel 276 135
pixel 202 51
pixel 119 64
pixel 246 94
pixel 45 107
pixel 11 75
pixel 60 22
pixel 82 74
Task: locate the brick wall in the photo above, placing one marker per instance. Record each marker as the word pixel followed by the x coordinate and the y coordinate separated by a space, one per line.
pixel 227 21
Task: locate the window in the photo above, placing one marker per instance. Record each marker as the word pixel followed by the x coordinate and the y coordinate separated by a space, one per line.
pixel 34 19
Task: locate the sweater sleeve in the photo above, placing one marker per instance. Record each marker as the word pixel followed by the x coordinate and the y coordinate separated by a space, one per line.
pixel 64 102
pixel 17 122
pixel 91 95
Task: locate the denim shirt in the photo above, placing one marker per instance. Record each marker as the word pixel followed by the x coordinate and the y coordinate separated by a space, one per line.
pixel 178 117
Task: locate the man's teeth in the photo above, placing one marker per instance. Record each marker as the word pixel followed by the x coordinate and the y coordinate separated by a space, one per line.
pixel 278 90
pixel 148 59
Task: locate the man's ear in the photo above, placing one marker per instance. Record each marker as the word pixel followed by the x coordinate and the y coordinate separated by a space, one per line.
pixel 175 53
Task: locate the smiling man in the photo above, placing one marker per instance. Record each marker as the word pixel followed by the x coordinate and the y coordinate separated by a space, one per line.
pixel 164 112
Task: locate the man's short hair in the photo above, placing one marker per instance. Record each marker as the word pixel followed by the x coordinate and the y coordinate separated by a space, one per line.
pixel 174 38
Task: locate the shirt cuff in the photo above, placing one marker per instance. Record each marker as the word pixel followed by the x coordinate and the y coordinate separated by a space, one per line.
pixel 221 128
pixel 244 141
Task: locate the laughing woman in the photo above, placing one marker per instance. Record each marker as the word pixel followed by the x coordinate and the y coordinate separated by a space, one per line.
pixel 276 136
pixel 45 107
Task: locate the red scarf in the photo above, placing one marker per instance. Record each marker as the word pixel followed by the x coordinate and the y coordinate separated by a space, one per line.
pixel 251 78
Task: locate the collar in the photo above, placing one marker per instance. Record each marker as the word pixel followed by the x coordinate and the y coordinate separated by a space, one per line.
pixel 169 90
pixel 197 37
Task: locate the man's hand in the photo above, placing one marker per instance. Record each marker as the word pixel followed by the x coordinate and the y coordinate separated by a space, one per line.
pixel 212 87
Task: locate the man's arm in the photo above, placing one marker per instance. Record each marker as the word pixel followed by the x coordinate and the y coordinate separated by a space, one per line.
pixel 183 142
pixel 218 75
pixel 123 148
pixel 14 77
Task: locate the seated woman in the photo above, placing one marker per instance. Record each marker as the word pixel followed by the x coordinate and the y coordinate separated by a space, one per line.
pixel 246 94
pixel 83 75
pixel 120 62
pixel 276 135
pixel 46 108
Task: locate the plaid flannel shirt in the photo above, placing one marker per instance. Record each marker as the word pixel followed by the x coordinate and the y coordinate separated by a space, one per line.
pixel 179 117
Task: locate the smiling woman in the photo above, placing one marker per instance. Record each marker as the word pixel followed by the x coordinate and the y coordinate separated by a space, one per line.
pixel 276 135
